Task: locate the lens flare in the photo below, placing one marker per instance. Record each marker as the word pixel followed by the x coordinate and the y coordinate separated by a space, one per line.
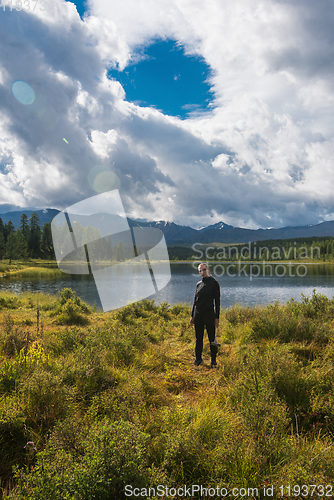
pixel 102 179
pixel 23 92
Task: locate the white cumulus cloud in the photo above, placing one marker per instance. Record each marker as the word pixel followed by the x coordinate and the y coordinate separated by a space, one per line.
pixel 263 152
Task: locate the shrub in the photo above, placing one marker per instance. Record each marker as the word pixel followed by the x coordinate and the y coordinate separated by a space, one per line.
pixel 275 322
pixel 9 301
pixel 87 372
pixel 203 444
pixel 180 309
pixel 238 314
pixel 71 314
pixel 141 309
pixel 12 434
pixel 87 462
pixel 45 398
pixel 294 322
pixel 10 374
pixel 12 339
pixel 317 305
pixel 70 309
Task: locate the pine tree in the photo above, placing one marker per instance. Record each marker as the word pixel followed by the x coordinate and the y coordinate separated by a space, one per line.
pixel 21 245
pixel 34 242
pixel 11 247
pixel 24 226
pixel 2 240
pixel 120 252
pixel 2 246
pixel 47 242
pixel 8 229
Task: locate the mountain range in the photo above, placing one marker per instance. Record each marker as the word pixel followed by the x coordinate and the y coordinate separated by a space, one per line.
pixel 215 233
pixel 224 233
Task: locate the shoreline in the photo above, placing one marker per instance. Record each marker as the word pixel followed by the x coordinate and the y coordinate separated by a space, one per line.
pixel 20 269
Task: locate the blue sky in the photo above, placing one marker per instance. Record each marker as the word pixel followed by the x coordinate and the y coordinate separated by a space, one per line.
pixel 196 112
pixel 81 7
pixel 163 76
pixel 166 78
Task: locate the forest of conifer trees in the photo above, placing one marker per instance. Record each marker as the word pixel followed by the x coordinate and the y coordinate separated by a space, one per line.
pixel 318 248
pixel 29 240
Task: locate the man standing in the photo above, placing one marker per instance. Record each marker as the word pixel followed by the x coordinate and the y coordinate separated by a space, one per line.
pixel 205 313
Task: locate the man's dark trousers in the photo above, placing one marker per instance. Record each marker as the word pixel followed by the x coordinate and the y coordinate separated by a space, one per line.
pixel 206 320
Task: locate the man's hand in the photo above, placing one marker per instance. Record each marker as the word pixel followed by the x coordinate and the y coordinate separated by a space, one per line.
pixel 191 320
pixel 217 322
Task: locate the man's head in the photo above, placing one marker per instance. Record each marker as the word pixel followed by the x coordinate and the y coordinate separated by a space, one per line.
pixel 203 270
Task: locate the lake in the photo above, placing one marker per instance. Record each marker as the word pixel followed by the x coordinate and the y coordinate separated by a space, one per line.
pixel 238 285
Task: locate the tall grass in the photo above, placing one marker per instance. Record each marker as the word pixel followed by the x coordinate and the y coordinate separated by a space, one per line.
pixel 91 402
pixel 32 272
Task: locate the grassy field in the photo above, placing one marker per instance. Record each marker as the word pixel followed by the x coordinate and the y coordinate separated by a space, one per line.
pixel 91 402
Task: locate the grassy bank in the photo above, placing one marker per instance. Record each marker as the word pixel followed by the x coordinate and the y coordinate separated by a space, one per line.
pixel 92 402
pixel 32 272
pixel 29 268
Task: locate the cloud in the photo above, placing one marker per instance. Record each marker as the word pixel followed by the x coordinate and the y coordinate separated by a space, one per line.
pixel 263 153
pixel 61 59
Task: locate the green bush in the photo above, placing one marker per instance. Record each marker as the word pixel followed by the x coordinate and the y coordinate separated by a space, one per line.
pixel 13 434
pixel 293 322
pixel 69 309
pixel 87 374
pixel 276 323
pixel 12 339
pixel 87 462
pixel 9 301
pixel 238 314
pixel 45 398
pixel 317 306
